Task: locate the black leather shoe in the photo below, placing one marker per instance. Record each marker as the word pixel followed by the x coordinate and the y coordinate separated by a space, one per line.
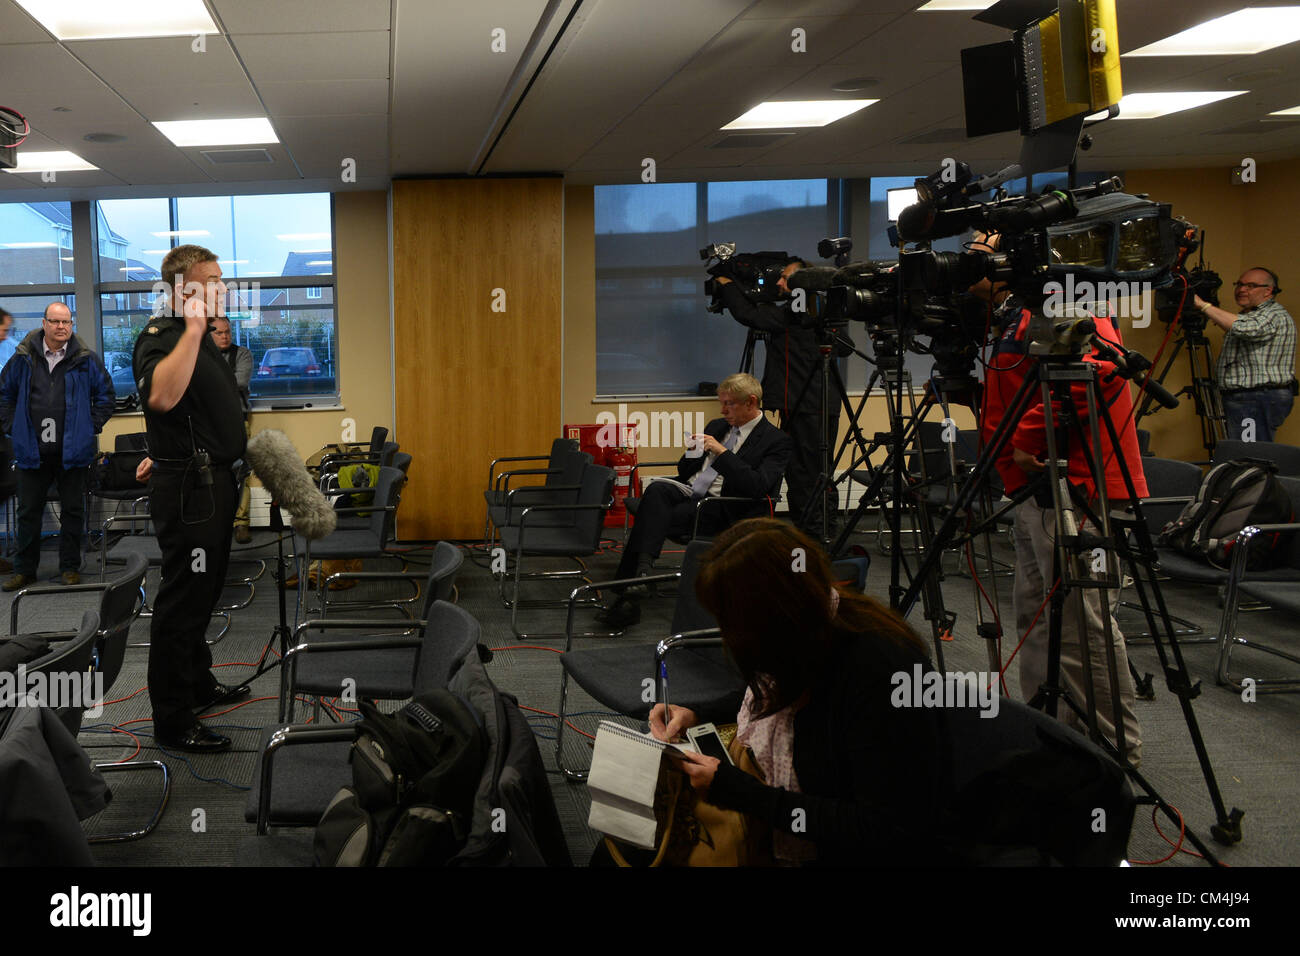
pixel 196 739
pixel 622 613
pixel 222 693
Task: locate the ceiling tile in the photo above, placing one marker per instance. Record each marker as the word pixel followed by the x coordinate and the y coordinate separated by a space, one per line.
pixel 306 98
pixel 302 16
pixel 315 57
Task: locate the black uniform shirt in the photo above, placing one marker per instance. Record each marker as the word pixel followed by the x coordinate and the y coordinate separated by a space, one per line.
pixel 211 406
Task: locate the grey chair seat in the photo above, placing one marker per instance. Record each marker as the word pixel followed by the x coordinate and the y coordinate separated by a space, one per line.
pixel 1279 595
pixel 1182 568
pixel 702 680
pixel 546 540
pixel 305 780
pixel 145 545
pixel 347 543
pixel 388 673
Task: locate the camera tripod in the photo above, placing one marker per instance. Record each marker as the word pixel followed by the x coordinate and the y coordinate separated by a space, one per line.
pixel 1204 389
pixel 1116 539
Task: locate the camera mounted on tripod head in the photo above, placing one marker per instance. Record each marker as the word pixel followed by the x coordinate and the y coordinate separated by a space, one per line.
pixel 755 273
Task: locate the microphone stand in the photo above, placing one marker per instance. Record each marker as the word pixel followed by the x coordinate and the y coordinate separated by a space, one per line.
pixel 281 630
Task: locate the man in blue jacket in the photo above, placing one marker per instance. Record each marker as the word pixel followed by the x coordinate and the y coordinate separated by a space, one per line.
pixel 55 396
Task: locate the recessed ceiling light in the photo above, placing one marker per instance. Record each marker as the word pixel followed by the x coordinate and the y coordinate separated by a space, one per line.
pixel 135 269
pixel 955 5
pixel 96 20
pixel 1292 111
pixel 181 234
pixel 1252 30
pixel 797 113
pixel 28 245
pixel 57 161
pixel 223 132
pixel 856 84
pixel 67 259
pixel 154 252
pixel 302 236
pixel 321 262
pixel 1151 105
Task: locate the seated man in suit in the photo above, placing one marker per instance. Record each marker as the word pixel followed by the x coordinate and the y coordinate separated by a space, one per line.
pixel 740 455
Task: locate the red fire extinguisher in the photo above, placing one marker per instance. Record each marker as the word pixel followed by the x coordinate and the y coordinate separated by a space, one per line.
pixel 621 460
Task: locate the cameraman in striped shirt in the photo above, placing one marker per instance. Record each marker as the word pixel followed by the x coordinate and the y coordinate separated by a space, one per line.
pixel 1256 368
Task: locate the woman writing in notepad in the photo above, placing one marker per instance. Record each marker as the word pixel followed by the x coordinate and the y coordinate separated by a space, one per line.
pixel 850 778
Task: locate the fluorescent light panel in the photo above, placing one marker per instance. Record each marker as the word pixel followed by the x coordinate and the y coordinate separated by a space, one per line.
pixel 96 20
pixel 224 132
pixel 28 245
pixel 321 262
pixel 1151 105
pixel 1292 111
pixel 797 114
pixel 935 5
pixel 57 161
pixel 1251 30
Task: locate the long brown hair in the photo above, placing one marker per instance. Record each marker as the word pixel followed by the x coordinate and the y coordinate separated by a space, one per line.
pixel 769 586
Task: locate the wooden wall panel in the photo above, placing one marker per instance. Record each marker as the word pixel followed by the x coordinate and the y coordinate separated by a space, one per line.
pixel 473 384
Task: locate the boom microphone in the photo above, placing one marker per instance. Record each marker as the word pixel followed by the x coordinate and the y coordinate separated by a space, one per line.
pixel 276 462
pixel 812 278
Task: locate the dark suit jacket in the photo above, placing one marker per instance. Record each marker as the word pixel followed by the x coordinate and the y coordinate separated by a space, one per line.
pixel 755 471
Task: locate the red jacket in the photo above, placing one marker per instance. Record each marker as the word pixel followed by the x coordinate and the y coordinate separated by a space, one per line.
pixel 1007 369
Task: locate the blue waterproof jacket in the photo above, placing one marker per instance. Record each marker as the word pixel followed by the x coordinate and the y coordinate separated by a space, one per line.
pixel 88 400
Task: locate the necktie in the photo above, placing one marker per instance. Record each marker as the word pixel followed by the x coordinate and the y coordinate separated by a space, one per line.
pixel 702 481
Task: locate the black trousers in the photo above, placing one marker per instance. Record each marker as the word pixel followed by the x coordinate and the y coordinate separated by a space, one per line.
pixel 664 512
pixel 806 465
pixel 194 524
pixel 33 483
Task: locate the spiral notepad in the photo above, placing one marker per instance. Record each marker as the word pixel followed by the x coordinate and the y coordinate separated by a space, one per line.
pixel 624 772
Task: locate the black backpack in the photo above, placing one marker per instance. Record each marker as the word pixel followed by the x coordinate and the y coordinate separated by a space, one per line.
pixel 414 777
pixel 1233 495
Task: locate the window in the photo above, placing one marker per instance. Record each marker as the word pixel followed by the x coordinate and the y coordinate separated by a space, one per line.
pixel 654 334
pixel 276 255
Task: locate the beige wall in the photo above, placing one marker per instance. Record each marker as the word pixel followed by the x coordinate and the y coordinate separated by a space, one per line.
pixel 365 355
pixel 1245 226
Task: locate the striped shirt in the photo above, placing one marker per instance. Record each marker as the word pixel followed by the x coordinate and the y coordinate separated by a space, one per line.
pixel 1258 350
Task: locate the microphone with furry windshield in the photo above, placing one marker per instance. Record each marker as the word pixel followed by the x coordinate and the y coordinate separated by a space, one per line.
pixel 276 462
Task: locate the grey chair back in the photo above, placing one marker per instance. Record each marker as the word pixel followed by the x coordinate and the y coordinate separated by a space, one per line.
pixel 1286 457
pixel 450 634
pixel 1167 478
pixel 401 461
pixel 561 448
pixel 388 493
pixel 72 657
pixel 378 436
pixel 447 559
pixel 597 487
pixel 117 608
pixel 688 615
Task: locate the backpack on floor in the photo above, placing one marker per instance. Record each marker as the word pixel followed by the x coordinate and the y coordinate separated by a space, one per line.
pixel 414 777
pixel 1234 494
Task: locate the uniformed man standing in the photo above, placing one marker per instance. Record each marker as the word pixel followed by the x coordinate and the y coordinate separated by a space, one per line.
pixel 195 424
